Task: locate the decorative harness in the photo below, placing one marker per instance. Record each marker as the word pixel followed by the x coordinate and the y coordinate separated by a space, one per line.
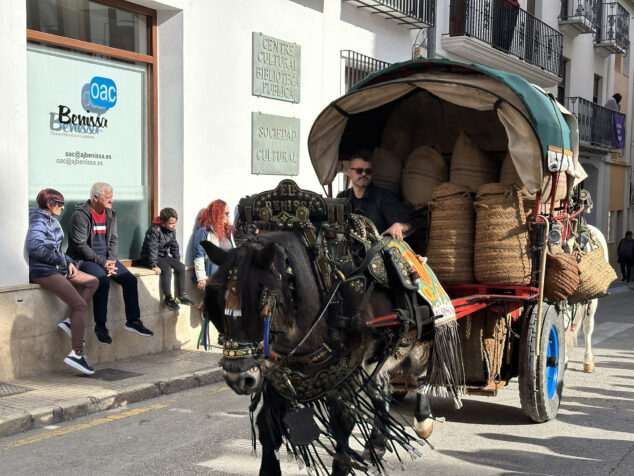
pixel 350 259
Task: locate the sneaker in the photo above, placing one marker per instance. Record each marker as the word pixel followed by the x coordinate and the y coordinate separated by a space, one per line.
pixel 78 361
pixel 138 328
pixel 65 326
pixel 186 300
pixel 102 334
pixel 171 303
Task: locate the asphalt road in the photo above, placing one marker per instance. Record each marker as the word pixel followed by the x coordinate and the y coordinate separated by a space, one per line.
pixel 207 430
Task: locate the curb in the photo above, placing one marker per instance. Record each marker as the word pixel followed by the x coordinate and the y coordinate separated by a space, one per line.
pixel 105 400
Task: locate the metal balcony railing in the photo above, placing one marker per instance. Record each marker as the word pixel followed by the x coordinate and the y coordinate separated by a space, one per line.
pixel 356 67
pixel 414 13
pixel 614 27
pixel 510 29
pixel 596 123
pixel 583 12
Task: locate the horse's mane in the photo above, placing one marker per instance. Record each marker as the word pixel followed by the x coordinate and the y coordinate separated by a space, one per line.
pixel 253 275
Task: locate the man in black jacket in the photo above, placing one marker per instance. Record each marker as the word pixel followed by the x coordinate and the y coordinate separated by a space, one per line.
pixel 94 242
pixel 382 207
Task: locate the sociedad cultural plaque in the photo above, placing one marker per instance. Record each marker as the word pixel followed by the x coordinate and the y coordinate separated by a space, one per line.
pixel 276 68
pixel 274 144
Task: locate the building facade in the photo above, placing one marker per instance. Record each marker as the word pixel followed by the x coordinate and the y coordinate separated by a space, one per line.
pixel 215 99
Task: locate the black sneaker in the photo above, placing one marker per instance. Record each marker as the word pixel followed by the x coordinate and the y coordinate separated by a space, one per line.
pixel 101 331
pixel 138 328
pixel 186 300
pixel 65 326
pixel 171 303
pixel 78 361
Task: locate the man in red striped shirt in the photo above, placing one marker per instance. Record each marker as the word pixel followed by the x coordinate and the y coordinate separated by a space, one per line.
pixel 93 241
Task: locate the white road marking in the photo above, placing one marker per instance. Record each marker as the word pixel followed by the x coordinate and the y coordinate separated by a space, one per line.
pixel 180 410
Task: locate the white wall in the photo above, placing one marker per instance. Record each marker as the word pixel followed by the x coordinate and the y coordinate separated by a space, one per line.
pixel 13 143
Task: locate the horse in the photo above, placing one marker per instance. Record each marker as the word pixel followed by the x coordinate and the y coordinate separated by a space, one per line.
pixel 265 297
pixel 582 314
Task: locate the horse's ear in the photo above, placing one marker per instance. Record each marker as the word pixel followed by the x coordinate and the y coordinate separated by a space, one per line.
pixel 216 254
pixel 264 258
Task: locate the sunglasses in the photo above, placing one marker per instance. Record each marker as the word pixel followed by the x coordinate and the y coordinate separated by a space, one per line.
pixel 59 202
pixel 360 170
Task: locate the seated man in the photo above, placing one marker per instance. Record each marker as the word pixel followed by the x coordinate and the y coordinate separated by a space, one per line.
pixel 389 215
pixel 93 240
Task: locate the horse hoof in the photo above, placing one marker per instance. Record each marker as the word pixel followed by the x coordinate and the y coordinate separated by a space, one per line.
pixel 424 428
pixel 588 368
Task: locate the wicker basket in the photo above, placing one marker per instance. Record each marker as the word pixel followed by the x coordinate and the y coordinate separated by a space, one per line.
pixel 451 230
pixel 562 276
pixel 501 252
pixel 595 276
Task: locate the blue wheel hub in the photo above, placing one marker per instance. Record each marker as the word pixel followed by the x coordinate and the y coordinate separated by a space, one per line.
pixel 552 362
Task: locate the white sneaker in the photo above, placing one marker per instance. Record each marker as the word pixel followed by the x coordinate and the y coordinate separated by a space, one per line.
pixel 78 361
pixel 65 326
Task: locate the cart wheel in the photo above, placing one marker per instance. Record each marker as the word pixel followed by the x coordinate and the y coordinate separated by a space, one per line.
pixel 398 396
pixel 541 378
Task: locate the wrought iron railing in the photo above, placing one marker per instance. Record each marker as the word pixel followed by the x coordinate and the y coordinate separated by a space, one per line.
pixel 596 123
pixel 510 29
pixel 586 9
pixel 356 67
pixel 416 13
pixel 614 26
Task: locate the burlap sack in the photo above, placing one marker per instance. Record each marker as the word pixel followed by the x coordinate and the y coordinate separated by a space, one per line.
pixel 508 175
pixel 471 166
pixel 451 234
pixel 595 276
pixel 562 275
pixel 424 169
pixel 386 169
pixel 501 252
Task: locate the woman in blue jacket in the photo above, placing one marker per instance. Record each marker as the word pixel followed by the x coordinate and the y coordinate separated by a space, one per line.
pixel 55 271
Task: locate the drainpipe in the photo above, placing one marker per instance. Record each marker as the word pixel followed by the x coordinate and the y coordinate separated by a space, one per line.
pixel 431 34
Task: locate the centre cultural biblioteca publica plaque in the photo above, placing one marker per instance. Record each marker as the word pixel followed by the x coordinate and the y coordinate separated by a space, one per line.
pixel 276 68
pixel 274 144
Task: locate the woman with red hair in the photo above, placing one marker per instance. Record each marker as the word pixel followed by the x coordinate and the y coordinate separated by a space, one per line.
pixel 213 225
pixel 55 271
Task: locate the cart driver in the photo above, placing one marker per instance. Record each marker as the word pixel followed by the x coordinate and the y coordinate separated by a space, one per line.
pixel 389 215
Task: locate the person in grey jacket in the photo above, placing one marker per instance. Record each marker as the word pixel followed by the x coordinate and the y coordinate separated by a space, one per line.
pixel 93 241
pixel 55 271
pixel 161 253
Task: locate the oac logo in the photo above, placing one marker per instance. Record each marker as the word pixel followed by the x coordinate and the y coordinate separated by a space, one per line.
pixel 99 95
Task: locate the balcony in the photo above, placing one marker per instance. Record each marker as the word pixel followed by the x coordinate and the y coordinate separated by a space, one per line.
pixel 413 13
pixel 498 34
pixel 613 31
pixel 355 67
pixel 596 123
pixel 579 16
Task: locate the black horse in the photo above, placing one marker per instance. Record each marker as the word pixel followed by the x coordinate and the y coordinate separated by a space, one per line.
pixel 265 298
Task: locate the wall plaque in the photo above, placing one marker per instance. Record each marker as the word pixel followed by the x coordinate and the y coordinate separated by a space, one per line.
pixel 274 144
pixel 276 68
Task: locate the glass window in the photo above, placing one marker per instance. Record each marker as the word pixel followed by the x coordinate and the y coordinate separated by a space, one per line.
pixel 91 21
pixel 88 122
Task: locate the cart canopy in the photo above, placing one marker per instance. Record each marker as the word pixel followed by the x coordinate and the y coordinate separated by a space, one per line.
pixel 501 111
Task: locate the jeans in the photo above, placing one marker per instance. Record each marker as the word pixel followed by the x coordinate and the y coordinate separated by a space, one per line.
pixel 166 264
pixel 128 283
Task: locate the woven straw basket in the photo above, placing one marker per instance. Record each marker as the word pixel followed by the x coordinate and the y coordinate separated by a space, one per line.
pixel 501 252
pixel 595 276
pixel 451 230
pixel 562 276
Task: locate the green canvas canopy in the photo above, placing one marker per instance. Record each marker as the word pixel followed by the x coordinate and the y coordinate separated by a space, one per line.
pixel 436 100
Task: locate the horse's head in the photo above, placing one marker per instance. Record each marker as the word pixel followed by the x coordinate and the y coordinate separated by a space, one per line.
pixel 250 293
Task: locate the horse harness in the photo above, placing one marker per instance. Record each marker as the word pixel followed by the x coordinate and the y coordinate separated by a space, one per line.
pixel 350 259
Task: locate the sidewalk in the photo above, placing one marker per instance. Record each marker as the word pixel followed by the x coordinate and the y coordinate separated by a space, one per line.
pixel 618 287
pixel 47 399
